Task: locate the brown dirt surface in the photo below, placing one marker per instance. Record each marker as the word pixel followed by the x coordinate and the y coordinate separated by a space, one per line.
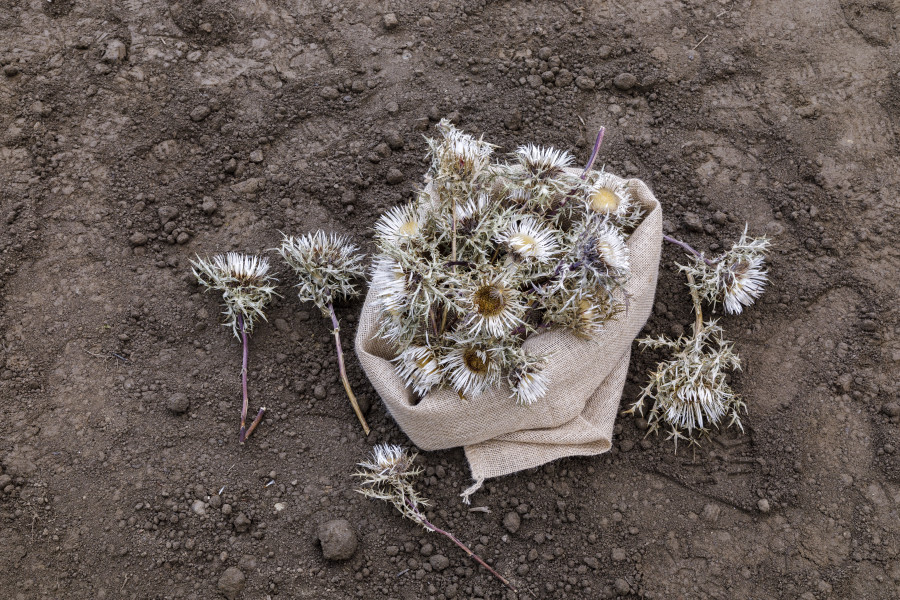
pixel 136 134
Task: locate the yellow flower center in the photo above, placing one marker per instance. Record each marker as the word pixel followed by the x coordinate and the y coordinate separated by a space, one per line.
pixel 474 362
pixel 523 243
pixel 604 201
pixel 490 300
pixel 408 229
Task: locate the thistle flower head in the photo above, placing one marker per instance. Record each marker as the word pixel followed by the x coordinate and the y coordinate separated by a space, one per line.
pixel 689 391
pixel 471 214
pixel 529 240
pixel 419 369
pixel 245 284
pixel 326 265
pixel 736 278
pixel 493 307
pixel 527 381
pixel 543 163
pixel 608 196
pixel 388 474
pixel 602 250
pixel 470 369
pixel 399 225
pixel 458 156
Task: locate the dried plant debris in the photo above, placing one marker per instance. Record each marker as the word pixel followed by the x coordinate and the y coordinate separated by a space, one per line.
pixel 492 253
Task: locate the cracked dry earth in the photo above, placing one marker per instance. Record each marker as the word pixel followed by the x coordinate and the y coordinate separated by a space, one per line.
pixel 136 134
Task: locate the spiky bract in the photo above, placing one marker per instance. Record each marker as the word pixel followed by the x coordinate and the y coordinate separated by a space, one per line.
pixel 690 392
pixel 493 253
pixel 245 284
pixel 326 265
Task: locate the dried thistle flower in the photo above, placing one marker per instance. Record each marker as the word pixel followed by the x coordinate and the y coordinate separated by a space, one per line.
pixel 689 391
pixel 736 278
pixel 245 284
pixel 326 265
pixel 247 288
pixel 388 475
pixel 495 252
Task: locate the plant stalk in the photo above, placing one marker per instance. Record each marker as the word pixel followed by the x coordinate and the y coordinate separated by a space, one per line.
pixel 242 436
pixel 432 527
pixel 698 310
pixel 594 152
pixel 686 246
pixel 343 369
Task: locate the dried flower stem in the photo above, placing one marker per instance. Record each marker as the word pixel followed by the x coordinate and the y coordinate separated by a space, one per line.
pixel 432 527
pixel 245 432
pixel 343 370
pixel 594 152
pixel 686 246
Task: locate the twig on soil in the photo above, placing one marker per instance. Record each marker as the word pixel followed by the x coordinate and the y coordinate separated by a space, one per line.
pixel 343 370
pixel 700 42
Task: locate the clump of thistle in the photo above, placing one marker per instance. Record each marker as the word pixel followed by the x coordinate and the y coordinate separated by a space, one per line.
pixel 388 475
pixel 496 251
pixel 690 391
pixel 326 265
pixel 246 288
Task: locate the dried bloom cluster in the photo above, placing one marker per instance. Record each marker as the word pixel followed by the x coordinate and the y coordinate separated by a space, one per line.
pixel 496 252
pixel 245 284
pixel 736 278
pixel 388 475
pixel 689 391
pixel 326 265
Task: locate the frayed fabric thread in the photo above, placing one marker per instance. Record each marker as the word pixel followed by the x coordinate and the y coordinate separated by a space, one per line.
pixel 467 493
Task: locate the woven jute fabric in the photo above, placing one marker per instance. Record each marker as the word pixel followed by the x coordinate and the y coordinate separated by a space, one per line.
pixel 577 415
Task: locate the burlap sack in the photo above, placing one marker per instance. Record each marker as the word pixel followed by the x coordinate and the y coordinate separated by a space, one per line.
pixel 576 416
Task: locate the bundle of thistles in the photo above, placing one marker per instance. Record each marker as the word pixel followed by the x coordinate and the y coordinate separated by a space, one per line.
pixel 492 252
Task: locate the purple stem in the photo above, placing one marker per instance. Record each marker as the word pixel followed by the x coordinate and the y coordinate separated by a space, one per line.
pixel 685 246
pixel 594 152
pixel 242 436
pixel 429 525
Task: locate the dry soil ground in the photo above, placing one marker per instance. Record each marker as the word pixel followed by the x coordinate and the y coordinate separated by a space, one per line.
pixel 136 133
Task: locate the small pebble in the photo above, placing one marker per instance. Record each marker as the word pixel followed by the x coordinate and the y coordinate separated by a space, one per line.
pixel 625 81
pixel 512 521
pixel 692 222
pixel 178 404
pixel 891 409
pixel 199 507
pixel 231 583
pixel 390 21
pixel 394 176
pixel 763 506
pixel 320 393
pixel 200 113
pixel 138 239
pixel 338 539
pixel 256 156
pixel 439 562
pixel 329 93
pixel 209 206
